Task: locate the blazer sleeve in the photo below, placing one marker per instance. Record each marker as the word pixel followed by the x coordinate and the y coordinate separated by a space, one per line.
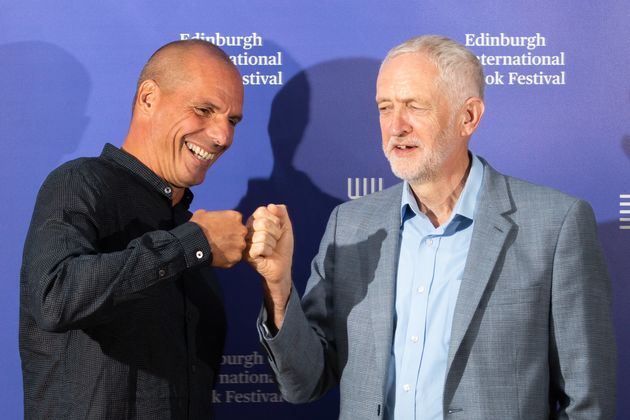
pixel 303 353
pixel 583 351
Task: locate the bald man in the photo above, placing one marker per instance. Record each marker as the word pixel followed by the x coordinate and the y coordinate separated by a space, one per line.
pixel 120 316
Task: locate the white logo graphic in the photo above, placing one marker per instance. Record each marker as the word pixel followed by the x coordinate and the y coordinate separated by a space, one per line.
pixel 355 191
pixel 624 211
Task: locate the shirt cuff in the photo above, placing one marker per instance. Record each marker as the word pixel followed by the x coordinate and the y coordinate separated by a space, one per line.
pixel 264 329
pixel 263 318
pixel 194 243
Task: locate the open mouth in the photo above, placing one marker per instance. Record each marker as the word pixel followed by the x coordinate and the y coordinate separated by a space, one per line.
pixel 404 147
pixel 199 152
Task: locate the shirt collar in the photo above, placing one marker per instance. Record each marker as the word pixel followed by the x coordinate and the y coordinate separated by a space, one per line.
pixel 466 203
pixel 139 169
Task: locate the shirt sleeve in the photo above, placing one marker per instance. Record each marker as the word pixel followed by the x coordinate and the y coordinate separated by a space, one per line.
pixel 69 283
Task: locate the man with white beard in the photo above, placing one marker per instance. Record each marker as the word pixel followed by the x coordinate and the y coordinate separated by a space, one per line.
pixel 460 293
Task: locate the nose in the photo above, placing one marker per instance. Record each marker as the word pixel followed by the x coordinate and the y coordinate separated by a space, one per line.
pixel 399 124
pixel 220 131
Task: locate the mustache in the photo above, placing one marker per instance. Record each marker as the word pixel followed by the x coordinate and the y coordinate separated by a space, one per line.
pixel 396 141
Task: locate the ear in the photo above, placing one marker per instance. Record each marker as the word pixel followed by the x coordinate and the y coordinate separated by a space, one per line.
pixel 147 97
pixel 472 111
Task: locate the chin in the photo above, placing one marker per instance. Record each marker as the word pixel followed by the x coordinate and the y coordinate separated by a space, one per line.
pixel 196 182
pixel 411 173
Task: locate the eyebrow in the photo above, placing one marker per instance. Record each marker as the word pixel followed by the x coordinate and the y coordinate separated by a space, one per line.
pixel 403 100
pixel 238 117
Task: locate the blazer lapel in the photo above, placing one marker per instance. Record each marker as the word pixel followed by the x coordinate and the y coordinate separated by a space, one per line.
pixel 490 232
pixel 383 288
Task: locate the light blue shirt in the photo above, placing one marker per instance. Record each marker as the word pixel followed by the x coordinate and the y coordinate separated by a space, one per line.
pixel 430 270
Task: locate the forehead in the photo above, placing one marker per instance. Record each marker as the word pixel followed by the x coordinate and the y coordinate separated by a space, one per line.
pixel 408 70
pixel 211 76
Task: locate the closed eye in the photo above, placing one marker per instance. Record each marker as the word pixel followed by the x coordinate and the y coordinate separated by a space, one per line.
pixel 203 111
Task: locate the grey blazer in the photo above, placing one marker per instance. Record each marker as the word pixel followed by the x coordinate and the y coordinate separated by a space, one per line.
pixel 532 332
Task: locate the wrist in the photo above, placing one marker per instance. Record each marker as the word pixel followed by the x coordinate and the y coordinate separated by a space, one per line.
pixel 276 305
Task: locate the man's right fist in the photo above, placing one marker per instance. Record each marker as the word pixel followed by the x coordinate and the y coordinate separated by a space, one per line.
pixel 225 233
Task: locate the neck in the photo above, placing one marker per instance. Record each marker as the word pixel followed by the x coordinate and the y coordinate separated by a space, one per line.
pixel 437 198
pixel 177 195
pixel 135 148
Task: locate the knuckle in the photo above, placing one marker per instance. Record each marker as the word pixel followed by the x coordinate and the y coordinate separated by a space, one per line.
pixel 258 224
pixel 233 214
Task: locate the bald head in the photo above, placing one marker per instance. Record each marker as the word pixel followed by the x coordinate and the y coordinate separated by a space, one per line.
pixel 173 63
pixel 188 102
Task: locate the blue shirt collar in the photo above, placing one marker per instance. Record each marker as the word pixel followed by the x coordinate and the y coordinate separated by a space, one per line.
pixel 466 203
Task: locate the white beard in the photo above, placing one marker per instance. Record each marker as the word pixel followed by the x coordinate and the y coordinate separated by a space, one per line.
pixel 425 168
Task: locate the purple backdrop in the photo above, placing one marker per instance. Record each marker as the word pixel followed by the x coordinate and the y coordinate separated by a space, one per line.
pixel 311 140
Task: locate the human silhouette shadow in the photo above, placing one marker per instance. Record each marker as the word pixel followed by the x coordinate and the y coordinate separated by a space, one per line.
pixel 345 87
pixel 309 207
pixel 349 85
pixel 615 246
pixel 42 115
pixel 625 145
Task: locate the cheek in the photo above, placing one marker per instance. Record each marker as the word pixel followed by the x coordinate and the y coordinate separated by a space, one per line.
pixel 427 127
pixel 384 139
pixel 190 125
pixel 384 125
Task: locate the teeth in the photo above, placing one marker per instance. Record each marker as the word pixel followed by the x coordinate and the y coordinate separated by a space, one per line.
pixel 200 153
pixel 401 147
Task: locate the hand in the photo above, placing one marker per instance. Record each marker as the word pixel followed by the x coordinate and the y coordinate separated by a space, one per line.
pixel 270 253
pixel 225 233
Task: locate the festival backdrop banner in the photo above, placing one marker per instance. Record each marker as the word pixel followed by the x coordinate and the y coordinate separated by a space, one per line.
pixel 557 113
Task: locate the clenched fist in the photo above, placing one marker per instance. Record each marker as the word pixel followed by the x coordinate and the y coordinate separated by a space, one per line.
pixel 270 252
pixel 225 233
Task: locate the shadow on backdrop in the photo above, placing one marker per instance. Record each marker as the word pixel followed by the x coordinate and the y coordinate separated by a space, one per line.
pixel 345 92
pixel 343 137
pixel 615 246
pixel 42 114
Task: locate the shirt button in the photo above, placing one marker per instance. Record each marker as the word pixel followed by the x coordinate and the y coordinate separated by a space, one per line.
pixel 199 254
pixel 167 190
pixel 407 387
pixel 193 368
pixel 162 272
pixel 421 289
pixel 429 242
pixel 414 338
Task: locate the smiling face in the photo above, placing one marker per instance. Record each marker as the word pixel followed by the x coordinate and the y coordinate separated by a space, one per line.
pixel 191 118
pixel 418 124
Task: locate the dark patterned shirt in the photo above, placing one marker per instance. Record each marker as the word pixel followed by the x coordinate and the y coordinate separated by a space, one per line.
pixel 120 315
